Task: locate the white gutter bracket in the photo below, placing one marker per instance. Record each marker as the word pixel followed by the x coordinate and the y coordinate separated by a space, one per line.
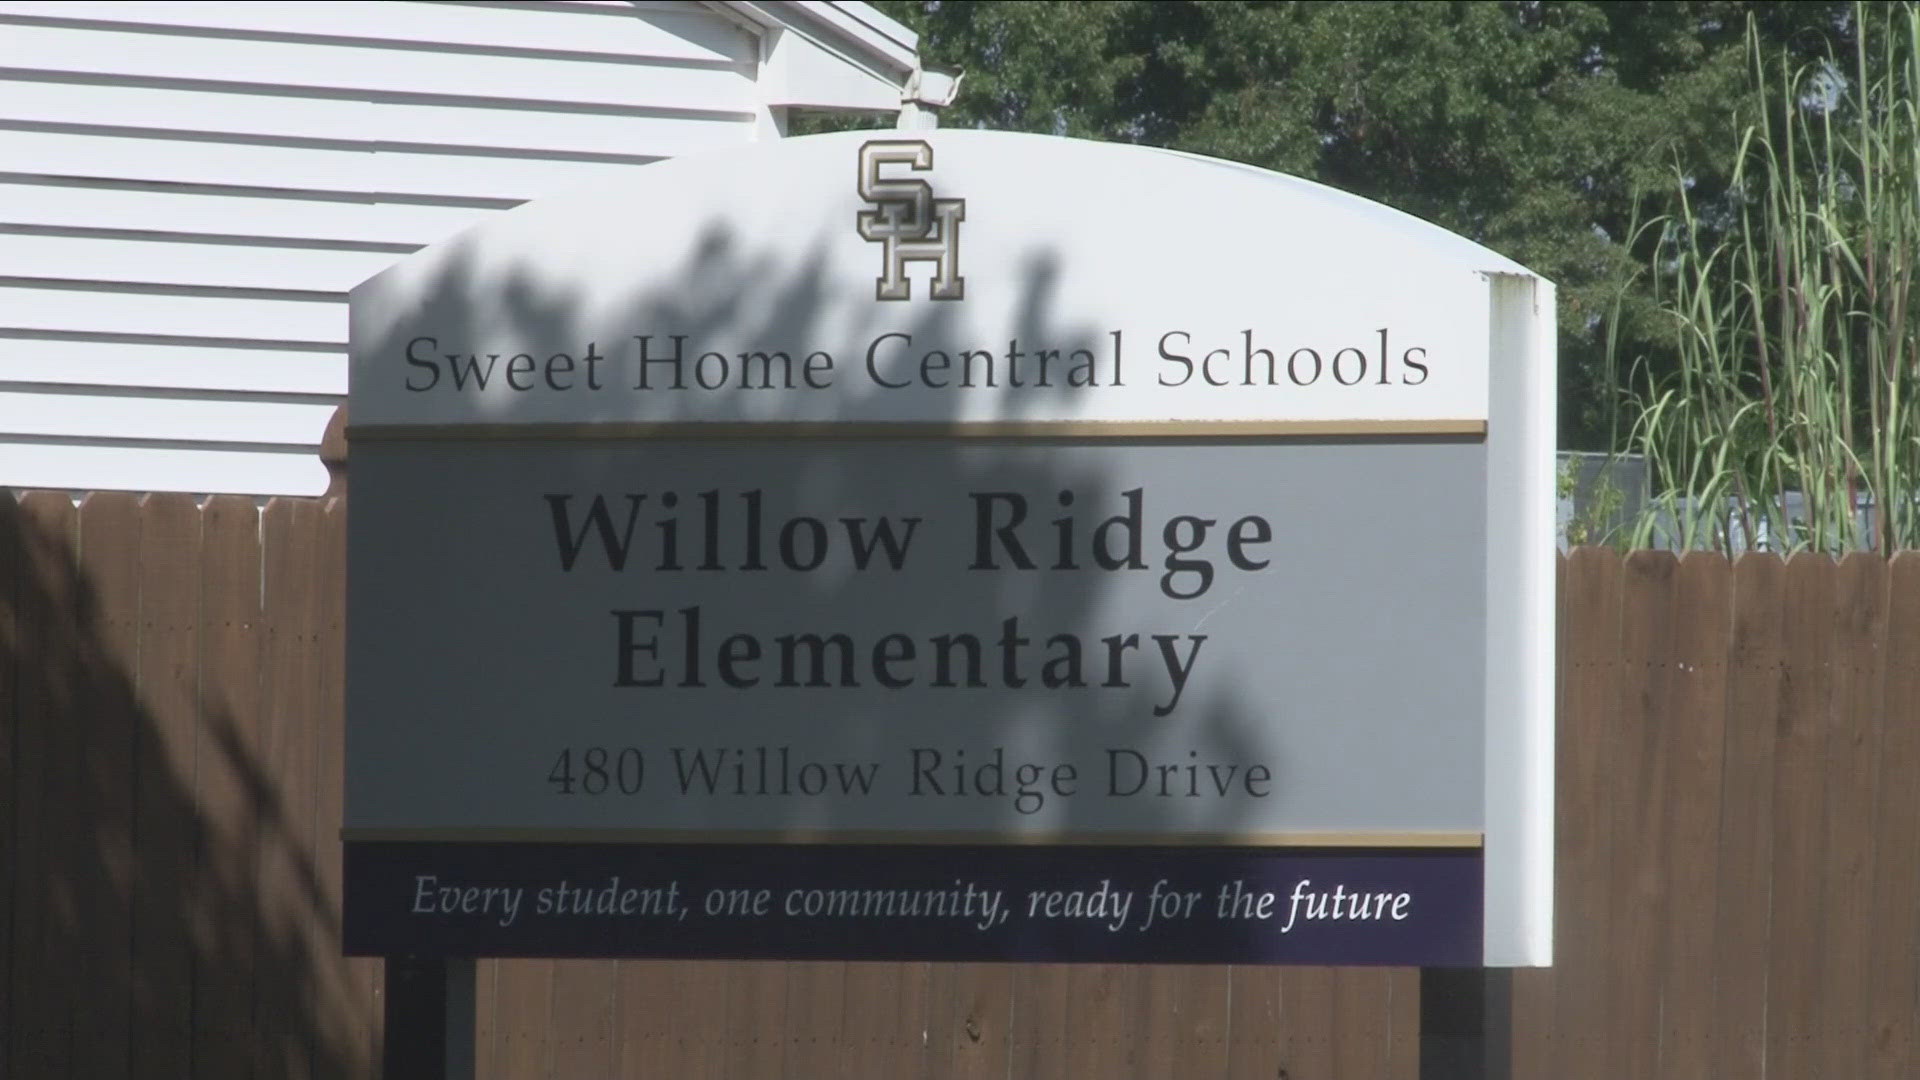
pixel 926 92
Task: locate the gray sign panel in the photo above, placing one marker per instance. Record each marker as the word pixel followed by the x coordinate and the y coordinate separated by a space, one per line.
pixel 1171 638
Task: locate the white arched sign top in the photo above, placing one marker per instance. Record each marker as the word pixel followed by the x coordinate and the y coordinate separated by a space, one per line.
pixel 954 275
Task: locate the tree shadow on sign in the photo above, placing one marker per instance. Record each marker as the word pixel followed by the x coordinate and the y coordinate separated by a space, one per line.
pixel 480 525
pixel 166 912
pixel 804 492
pixel 987 550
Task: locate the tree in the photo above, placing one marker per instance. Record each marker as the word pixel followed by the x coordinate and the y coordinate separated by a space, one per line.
pixel 1543 130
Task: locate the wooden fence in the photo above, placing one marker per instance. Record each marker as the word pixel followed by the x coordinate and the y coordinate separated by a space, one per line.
pixel 1738 884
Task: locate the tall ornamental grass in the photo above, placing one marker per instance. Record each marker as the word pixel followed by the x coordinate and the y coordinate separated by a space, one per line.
pixel 1790 417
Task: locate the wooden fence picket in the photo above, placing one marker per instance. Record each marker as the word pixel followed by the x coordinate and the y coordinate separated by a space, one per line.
pixel 1738 830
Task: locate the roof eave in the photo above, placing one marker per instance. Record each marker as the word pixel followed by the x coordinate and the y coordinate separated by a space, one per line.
pixel 855 30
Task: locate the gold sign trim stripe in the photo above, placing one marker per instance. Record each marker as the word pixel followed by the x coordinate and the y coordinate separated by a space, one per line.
pixel 1436 840
pixel 931 429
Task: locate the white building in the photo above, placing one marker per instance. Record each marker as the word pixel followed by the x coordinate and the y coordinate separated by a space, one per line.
pixel 189 189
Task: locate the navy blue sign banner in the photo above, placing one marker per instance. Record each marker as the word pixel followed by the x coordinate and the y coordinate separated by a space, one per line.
pixel 917 902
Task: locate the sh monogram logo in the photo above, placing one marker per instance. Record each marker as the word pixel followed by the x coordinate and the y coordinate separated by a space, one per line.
pixel 908 222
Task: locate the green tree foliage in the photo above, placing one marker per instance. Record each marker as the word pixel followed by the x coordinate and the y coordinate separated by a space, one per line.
pixel 1539 129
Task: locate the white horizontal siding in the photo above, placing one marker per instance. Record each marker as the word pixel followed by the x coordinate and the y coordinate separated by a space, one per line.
pixel 147 315
pixel 148 466
pixel 114 154
pixel 230 266
pixel 659 34
pixel 163 419
pixel 351 69
pixel 271 219
pixel 187 190
pixel 366 125
pixel 146 366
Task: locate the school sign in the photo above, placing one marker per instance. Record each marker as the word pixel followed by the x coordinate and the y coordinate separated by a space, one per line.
pixel 952 545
